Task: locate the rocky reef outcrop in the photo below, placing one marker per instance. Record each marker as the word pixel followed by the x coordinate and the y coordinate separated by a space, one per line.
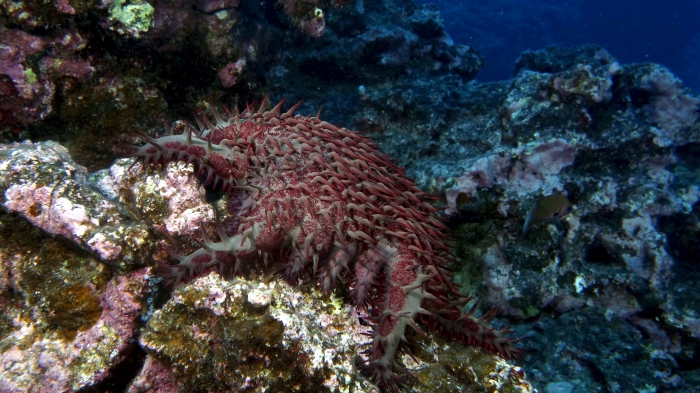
pixel 601 294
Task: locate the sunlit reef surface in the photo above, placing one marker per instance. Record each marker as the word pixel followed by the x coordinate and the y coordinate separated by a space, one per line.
pixel 604 293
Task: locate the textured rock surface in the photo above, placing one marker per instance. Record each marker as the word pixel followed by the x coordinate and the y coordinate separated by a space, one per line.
pixel 391 53
pixel 619 140
pixel 71 337
pixel 43 184
pixel 171 201
pixel 25 96
pixel 228 335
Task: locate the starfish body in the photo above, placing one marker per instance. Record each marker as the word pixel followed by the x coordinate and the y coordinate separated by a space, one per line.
pixel 323 203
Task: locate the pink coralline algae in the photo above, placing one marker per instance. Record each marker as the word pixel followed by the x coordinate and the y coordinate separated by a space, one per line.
pixel 172 200
pixel 536 169
pixel 64 7
pixel 15 47
pixel 229 75
pixel 209 6
pixel 671 107
pixel 323 203
pixel 77 69
pixel 27 89
pixel 42 183
pixel 155 377
pixel 25 97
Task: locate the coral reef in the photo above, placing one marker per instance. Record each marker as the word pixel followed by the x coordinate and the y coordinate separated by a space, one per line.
pixel 237 334
pixel 108 67
pixel 71 309
pixel 371 49
pixel 25 96
pixel 172 201
pixel 617 140
pixel 606 292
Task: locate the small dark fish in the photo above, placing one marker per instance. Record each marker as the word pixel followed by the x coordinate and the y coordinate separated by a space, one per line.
pixel 550 208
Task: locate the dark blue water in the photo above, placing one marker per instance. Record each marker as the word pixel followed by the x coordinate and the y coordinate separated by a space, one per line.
pixel 665 32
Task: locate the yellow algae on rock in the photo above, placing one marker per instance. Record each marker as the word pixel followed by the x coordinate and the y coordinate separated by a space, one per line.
pixel 67 319
pixel 225 335
pixel 265 335
pixel 135 16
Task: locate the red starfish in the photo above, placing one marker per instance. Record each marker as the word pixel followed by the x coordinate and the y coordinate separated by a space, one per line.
pixel 324 203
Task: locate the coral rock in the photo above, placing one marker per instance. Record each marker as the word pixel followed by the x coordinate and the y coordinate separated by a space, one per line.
pixel 263 334
pixel 209 6
pixel 172 201
pixel 229 75
pixel 155 377
pixel 44 185
pixel 217 335
pixel 41 360
pixel 25 97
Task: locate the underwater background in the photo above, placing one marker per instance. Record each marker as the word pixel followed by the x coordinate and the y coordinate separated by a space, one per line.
pixel 561 142
pixel 635 31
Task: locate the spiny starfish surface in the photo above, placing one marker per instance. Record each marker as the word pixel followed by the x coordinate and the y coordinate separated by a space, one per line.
pixel 324 204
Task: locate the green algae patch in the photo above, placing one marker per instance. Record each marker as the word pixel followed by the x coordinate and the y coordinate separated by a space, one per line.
pixel 72 301
pixel 94 359
pixel 31 76
pixel 135 17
